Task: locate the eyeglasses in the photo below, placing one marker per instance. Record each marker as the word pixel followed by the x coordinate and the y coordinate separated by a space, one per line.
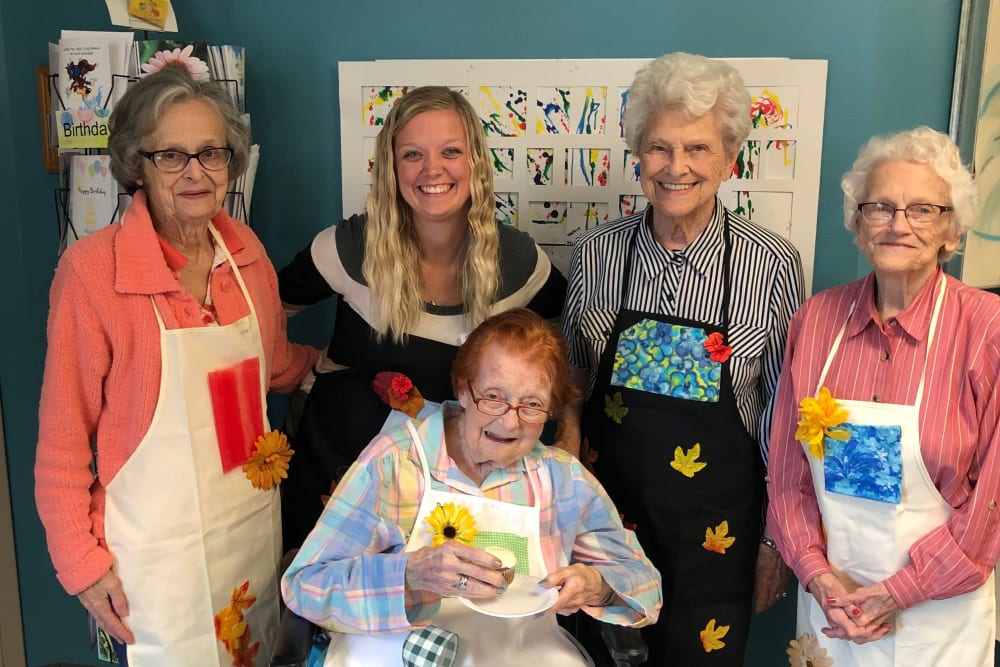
pixel 172 160
pixel 919 215
pixel 496 408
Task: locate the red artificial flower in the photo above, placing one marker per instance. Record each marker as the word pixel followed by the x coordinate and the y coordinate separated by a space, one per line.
pixel 398 392
pixel 716 347
pixel 401 387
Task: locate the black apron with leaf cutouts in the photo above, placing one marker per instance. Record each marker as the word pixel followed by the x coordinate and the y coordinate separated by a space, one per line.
pixel 681 467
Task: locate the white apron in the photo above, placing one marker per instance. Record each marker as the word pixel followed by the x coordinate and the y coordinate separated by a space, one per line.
pixel 869 540
pixel 184 534
pixel 483 640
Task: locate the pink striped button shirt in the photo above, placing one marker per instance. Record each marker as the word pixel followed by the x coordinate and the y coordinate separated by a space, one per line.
pixel 959 418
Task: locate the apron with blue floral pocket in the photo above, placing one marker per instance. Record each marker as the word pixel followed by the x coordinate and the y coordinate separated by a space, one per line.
pixel 678 462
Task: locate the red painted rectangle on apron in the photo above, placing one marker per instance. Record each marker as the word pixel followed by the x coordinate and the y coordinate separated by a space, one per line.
pixel 237 408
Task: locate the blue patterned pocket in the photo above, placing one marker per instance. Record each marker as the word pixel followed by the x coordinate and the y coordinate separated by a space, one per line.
pixel 666 359
pixel 866 465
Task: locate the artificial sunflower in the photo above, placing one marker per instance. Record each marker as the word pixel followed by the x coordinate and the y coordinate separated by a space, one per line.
pixel 268 464
pixel 450 523
pixel 806 652
pixel 817 418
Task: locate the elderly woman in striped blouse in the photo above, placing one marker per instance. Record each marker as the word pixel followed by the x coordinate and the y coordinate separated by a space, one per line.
pixel 676 317
pixel 884 471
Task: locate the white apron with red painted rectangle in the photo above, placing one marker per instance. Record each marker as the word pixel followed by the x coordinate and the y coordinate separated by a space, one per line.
pixel 869 540
pixel 484 641
pixel 184 534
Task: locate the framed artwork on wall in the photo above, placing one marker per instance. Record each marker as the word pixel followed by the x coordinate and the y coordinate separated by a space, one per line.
pixel 975 126
pixel 50 154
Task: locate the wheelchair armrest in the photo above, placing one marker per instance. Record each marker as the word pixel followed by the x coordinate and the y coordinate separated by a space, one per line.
pixel 625 645
pixel 294 641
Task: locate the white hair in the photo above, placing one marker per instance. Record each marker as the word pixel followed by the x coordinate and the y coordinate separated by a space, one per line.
pixel 923 146
pixel 694 85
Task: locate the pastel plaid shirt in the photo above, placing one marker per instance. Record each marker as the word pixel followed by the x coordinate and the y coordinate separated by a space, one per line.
pixel 349 574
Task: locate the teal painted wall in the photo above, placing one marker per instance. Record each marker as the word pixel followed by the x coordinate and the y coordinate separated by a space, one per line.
pixel 890 67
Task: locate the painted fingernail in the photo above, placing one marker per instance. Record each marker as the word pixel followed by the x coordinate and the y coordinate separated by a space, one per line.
pixel 855 612
pixel 503 587
pixel 543 581
pixel 831 600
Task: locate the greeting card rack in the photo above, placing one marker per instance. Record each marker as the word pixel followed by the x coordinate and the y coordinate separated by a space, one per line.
pixel 66 231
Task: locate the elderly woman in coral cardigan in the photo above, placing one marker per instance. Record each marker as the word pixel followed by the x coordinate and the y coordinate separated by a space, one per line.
pixel 154 477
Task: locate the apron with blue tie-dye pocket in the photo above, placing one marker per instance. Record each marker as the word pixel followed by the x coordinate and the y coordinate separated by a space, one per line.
pixel 868 464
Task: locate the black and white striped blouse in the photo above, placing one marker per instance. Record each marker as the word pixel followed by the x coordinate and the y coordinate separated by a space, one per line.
pixel 766 290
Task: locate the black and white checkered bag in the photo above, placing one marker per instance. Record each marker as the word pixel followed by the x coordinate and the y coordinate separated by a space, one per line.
pixel 430 647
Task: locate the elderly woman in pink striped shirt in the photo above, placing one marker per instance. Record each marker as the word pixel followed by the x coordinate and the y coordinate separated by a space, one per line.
pixel 883 473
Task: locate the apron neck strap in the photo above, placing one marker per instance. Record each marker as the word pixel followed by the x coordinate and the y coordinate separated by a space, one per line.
pixel 927 350
pixel 727 249
pixel 232 262
pixel 418 445
pixel 930 335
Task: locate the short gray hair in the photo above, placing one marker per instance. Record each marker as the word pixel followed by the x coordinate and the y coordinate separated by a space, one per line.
pixel 695 85
pixel 138 112
pixel 924 146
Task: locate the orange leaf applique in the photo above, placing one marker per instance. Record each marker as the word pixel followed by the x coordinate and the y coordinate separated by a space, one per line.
pixel 688 464
pixel 718 539
pixel 711 637
pixel 232 630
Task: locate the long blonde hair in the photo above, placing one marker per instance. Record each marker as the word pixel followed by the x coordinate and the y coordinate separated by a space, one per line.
pixel 392 253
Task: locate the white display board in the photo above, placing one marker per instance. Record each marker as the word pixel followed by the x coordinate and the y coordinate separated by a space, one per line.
pixel 561 165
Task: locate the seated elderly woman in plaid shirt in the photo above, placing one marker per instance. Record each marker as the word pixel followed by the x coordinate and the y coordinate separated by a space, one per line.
pixel 408 528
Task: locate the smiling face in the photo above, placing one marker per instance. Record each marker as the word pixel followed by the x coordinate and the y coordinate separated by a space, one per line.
pixel 432 167
pixel 194 194
pixel 682 163
pixel 898 249
pixel 497 442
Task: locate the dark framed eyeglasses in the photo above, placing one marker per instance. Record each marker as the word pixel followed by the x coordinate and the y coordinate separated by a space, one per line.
pixel 172 160
pixel 494 407
pixel 919 215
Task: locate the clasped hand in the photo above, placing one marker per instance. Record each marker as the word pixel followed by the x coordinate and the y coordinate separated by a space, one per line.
pixel 861 616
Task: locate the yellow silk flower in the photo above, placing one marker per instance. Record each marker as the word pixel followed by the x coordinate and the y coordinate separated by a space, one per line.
pixel 817 418
pixel 718 540
pixel 687 464
pixel 711 636
pixel 268 464
pixel 449 522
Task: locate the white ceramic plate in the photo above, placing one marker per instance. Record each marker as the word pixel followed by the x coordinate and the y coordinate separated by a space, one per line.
pixel 524 597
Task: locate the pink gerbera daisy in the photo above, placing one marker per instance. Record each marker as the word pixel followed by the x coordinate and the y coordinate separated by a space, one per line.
pixel 195 66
